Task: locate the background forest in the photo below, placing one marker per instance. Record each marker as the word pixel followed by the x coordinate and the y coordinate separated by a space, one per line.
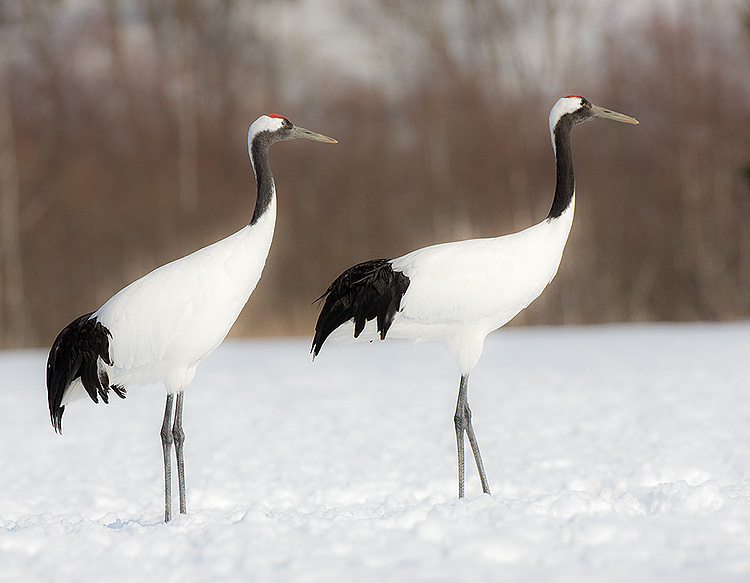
pixel 123 130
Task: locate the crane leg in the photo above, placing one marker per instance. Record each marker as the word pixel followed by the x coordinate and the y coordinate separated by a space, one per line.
pixel 178 434
pixel 458 423
pixel 462 422
pixel 166 444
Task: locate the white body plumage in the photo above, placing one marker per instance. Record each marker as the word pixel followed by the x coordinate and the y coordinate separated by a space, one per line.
pixel 462 291
pixel 166 322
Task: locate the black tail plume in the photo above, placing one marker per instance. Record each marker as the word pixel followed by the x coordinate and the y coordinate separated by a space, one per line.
pixel 75 354
pixel 369 290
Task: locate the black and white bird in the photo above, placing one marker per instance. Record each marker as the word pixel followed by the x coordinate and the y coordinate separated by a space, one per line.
pixel 160 327
pixel 457 293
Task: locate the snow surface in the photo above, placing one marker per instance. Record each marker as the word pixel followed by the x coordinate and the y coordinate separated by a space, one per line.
pixel 615 453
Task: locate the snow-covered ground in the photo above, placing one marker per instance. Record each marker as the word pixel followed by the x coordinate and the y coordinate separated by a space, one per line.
pixel 615 453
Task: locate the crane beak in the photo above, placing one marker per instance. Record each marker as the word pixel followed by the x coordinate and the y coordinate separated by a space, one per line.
pixel 605 113
pixel 308 135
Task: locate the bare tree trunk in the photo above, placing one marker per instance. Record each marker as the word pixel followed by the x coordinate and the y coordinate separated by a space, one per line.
pixel 187 114
pixel 12 305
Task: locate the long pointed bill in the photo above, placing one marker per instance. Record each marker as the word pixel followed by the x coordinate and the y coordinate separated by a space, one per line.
pixel 308 135
pixel 605 113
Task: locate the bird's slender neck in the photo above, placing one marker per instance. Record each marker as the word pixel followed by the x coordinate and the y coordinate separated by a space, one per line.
pixel 266 187
pixel 565 186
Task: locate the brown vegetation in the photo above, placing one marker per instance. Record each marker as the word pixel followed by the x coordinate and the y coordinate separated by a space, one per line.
pixel 117 156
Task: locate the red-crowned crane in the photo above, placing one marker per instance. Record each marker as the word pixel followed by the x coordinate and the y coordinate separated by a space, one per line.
pixel 160 327
pixel 457 293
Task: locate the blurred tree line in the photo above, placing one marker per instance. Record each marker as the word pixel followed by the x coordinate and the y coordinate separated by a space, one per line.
pixel 123 127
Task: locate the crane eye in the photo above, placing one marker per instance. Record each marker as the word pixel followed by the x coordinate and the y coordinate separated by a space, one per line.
pixel 286 123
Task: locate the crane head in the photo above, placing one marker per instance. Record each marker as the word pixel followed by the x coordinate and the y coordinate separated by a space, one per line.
pixel 275 128
pixel 576 109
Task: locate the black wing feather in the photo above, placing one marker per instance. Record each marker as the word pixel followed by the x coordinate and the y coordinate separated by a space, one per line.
pixel 367 291
pixel 75 354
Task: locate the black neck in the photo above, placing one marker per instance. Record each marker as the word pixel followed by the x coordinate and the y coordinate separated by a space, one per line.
pixel 564 162
pixel 259 155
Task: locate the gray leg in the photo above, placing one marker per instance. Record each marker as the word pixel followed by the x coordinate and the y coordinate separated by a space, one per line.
pixel 462 422
pixel 166 444
pixel 458 422
pixel 179 439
